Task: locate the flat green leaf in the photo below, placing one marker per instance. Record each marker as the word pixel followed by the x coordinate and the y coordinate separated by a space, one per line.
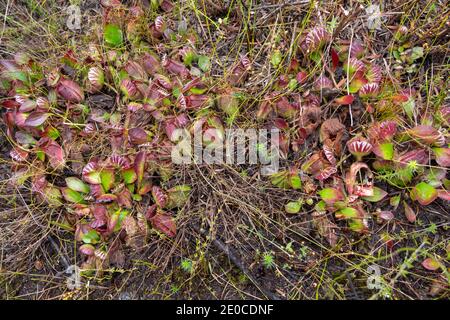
pixel 347 213
pixel 107 179
pixel 424 193
pixel 416 53
pixel 16 75
pixel 129 175
pixel 355 85
pixel 276 58
pixel 293 207
pixel 77 185
pixel 93 177
pixel 40 155
pixel 330 195
pixel 356 225
pixel 409 107
pixel 91 237
pixel 280 180
pixel 136 197
pixel 113 35
pixel 52 196
pixel 72 195
pixel 53 133
pixel 204 63
pixel 320 206
pixel 385 150
pixel 189 57
pixel 378 194
pixel 295 182
pixel 117 219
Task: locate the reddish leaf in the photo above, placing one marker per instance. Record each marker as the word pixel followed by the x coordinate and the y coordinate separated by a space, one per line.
pixel 431 264
pixel 27 106
pixel 151 212
pixel 129 89
pixel 35 119
pixel 442 156
pixel 54 152
pixel 444 194
pixel 164 223
pixel 151 63
pixel 425 134
pixel 284 108
pixel 100 218
pixel 418 155
pixel 70 90
pixel 196 101
pixel 139 164
pixel 264 109
pixel 400 98
pixel 344 100
pixel 175 67
pixel 331 128
pixel 138 136
pixel 10 104
pixel 159 196
pixel 87 249
pixel 334 59
pixel 385 215
pixel 301 77
pixel 145 188
pixel 409 213
pixel 19 118
pixel 135 71
pixel 124 198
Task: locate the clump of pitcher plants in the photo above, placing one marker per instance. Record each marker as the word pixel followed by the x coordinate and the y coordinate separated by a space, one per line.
pixel 403 146
pixel 133 92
